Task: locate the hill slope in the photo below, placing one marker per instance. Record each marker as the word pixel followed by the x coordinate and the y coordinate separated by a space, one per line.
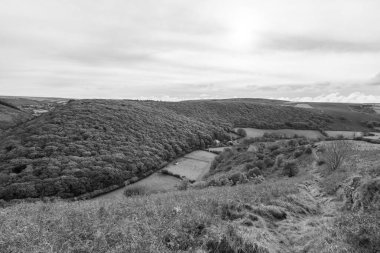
pixel 89 145
pixel 10 116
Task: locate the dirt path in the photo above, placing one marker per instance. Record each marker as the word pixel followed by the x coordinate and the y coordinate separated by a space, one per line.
pixel 304 232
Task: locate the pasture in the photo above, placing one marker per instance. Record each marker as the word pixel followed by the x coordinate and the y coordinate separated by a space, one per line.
pixel 345 134
pixel 192 166
pixel 154 183
pixel 254 132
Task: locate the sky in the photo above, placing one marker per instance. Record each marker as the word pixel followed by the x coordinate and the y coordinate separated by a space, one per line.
pixel 301 50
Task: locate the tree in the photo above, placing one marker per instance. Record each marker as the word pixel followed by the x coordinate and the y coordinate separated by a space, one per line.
pixel 242 132
pixel 336 152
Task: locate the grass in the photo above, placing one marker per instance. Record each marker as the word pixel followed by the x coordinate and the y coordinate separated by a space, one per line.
pixel 171 222
pixel 253 132
pixel 189 168
pixel 356 182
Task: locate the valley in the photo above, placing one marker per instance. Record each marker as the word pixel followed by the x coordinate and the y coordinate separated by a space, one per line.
pixel 147 176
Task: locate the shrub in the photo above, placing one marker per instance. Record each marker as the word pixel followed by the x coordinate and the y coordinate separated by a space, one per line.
pixel 279 160
pixel 236 178
pixel 241 132
pixel 336 153
pixel 298 153
pixel 184 185
pixel 135 191
pixel 269 162
pixel 247 167
pixel 290 168
pixel 254 172
pixel 320 162
pixel 309 150
pixel 260 164
pixel 361 230
pixel 273 147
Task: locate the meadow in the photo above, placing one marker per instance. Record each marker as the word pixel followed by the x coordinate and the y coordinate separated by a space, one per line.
pixel 289 133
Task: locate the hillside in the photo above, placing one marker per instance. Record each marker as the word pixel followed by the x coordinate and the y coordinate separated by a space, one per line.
pixel 347 116
pixel 234 113
pixel 91 145
pixel 10 115
pixel 300 205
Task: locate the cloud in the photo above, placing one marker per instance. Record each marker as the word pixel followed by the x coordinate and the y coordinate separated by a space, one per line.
pixel 355 97
pixel 375 81
pixel 183 49
pixel 311 43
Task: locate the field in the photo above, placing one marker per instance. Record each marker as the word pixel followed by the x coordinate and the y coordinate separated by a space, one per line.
pixel 154 183
pixel 345 134
pixel 254 132
pixel 303 106
pixel 376 136
pixel 192 166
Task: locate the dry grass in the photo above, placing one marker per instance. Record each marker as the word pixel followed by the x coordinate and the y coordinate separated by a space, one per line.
pixel 168 222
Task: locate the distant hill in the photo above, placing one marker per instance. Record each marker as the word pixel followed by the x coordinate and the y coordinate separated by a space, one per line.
pixel 88 145
pixel 15 110
pixel 11 115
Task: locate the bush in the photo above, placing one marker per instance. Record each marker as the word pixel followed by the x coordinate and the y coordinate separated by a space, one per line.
pixel 336 153
pixel 298 153
pixel 361 231
pixel 236 178
pixel 135 191
pixel 241 132
pixel 279 160
pixel 254 172
pixel 260 164
pixel 320 162
pixel 269 162
pixel 290 168
pixel 184 185
pixel 309 150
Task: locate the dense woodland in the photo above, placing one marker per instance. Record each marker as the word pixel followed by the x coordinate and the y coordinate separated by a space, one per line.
pixel 251 114
pixel 89 145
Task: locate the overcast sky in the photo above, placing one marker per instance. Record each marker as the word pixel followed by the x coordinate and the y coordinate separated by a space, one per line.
pixel 325 50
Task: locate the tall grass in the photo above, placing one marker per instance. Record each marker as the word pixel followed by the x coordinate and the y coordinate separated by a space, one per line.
pixel 171 222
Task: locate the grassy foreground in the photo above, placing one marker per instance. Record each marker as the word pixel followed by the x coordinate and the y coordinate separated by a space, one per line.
pixel 309 212
pixel 208 219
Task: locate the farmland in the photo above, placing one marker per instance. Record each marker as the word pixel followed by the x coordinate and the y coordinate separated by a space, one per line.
pixel 254 132
pixel 193 166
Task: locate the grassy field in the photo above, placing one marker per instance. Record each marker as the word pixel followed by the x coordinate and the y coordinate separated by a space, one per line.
pixel 208 219
pixel 192 166
pixel 345 134
pixel 154 183
pixel 254 132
